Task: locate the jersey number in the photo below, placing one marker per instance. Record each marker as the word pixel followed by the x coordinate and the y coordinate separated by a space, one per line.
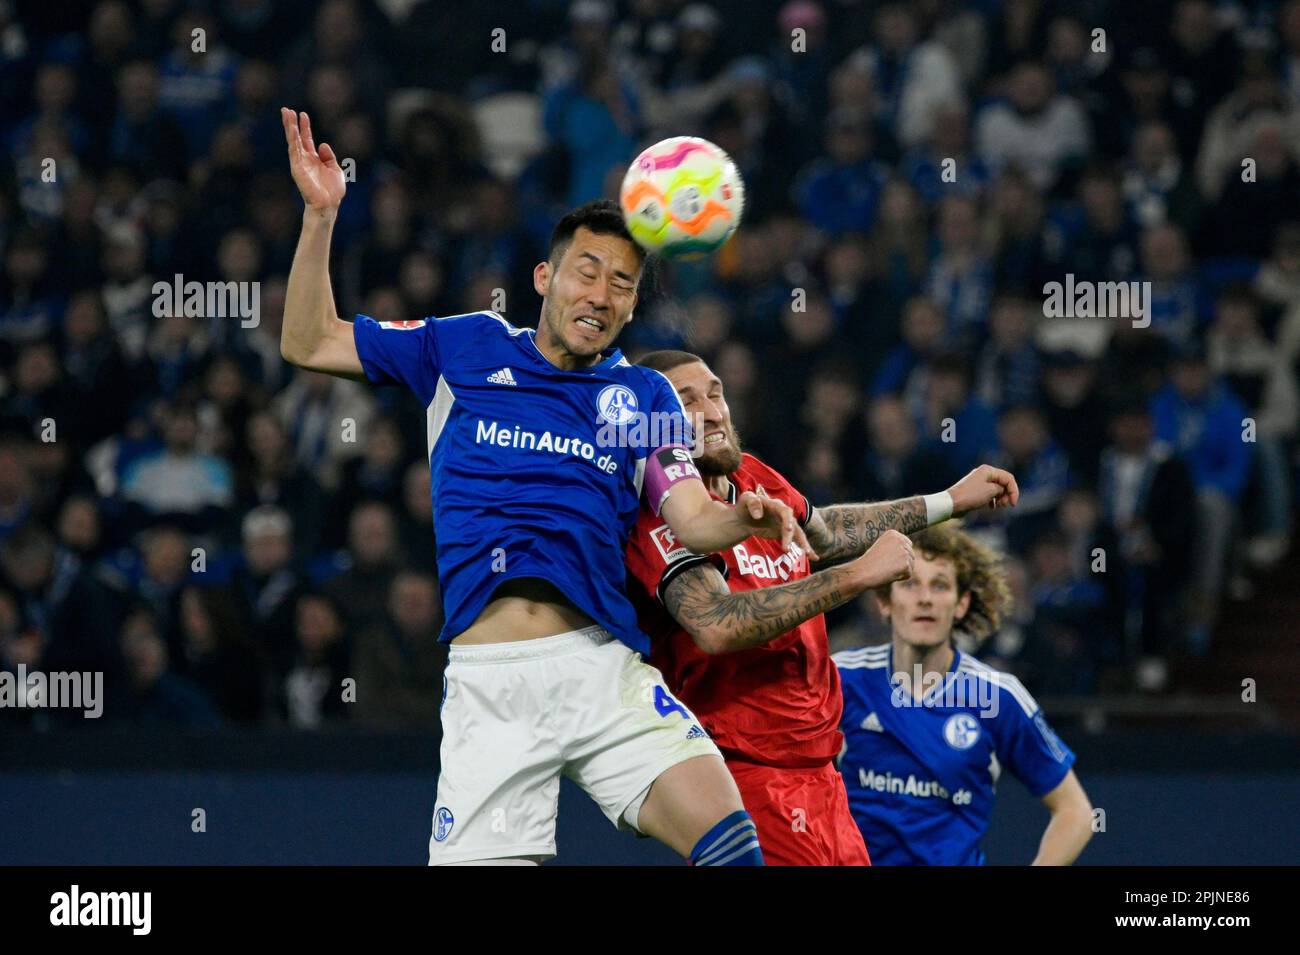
pixel 666 705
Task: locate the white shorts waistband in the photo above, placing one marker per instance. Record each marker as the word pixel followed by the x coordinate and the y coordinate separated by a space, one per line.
pixel 511 651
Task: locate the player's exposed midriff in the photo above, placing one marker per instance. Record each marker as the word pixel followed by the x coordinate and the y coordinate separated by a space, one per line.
pixel 525 608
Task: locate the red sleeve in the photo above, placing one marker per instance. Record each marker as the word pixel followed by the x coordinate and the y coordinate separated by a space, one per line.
pixel 654 556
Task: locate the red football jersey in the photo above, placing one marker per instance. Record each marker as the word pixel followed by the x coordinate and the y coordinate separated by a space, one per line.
pixel 778 704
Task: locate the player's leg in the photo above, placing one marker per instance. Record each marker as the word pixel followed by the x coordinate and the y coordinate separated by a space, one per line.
pixel 793 812
pixel 849 847
pixel 499 781
pixel 686 801
pixel 643 757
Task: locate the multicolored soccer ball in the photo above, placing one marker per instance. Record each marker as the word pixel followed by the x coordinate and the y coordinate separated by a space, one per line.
pixel 682 198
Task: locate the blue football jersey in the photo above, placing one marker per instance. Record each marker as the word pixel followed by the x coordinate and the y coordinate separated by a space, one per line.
pixel 526 481
pixel 921 774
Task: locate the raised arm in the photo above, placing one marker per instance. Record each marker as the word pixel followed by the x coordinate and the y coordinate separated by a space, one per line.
pixel 841 531
pixel 313 336
pixel 720 621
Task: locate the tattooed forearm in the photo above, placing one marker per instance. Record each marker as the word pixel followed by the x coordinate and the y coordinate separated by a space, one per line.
pixel 723 622
pixel 842 531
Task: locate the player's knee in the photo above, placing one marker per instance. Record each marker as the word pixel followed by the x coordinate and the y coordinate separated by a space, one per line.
pixel 732 841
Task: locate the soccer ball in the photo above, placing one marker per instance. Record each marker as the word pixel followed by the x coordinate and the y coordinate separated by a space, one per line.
pixel 682 198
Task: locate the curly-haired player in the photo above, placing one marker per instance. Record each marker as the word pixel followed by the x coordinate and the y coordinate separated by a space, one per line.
pixel 928 729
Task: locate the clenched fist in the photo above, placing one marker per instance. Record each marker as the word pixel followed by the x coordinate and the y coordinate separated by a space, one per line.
pixel 986 486
pixel 888 559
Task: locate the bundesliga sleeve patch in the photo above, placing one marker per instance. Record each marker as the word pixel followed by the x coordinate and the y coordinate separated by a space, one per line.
pixel 669 465
pixel 666 543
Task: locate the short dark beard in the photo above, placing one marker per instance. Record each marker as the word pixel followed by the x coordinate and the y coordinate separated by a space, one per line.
pixel 723 468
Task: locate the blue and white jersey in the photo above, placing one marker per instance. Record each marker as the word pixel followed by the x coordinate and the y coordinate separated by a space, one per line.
pixel 525 479
pixel 921 774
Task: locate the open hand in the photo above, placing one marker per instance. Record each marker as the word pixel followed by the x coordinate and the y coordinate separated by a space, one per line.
pixel 316 172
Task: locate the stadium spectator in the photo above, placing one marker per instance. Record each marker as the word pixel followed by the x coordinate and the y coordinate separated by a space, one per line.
pixel 265 585
pixel 842 192
pixel 1007 367
pixel 157 695
pixel 324 416
pixel 374 476
pixel 961 276
pixel 1042 132
pixel 373 556
pixel 273 476
pixel 398 661
pixel 196 78
pixel 1146 494
pixel 1179 304
pixel 1098 241
pixel 1075 411
pixel 955 422
pixel 1026 449
pixel 1158 185
pixel 143 135
pixel 311 691
pixel 416 520
pixel 61 599
pixel 218 657
pixel 595 114
pixel 945 164
pixel 178 481
pixel 1063 653
pixel 1250 365
pixel 894 465
pixel 902 371
pixel 913 75
pixel 1202 420
pixel 155 582
pixel 97 380
pixel 1015 234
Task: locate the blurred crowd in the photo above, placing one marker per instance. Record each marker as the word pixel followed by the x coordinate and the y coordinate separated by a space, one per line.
pixel 182 510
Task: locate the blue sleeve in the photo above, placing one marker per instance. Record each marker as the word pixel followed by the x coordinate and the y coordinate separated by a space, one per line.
pixel 1028 747
pixel 415 353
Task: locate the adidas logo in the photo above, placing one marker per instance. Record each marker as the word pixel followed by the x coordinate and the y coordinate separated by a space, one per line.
pixel 503 377
pixel 872 722
pixel 695 732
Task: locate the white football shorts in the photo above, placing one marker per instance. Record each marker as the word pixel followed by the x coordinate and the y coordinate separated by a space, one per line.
pixel 515 716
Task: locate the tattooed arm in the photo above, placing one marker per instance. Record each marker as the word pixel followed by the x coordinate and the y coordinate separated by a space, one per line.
pixel 722 622
pixel 841 531
pixel 846 530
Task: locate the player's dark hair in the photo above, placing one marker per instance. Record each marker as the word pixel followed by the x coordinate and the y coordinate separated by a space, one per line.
pixel 601 216
pixel 666 359
pixel 979 573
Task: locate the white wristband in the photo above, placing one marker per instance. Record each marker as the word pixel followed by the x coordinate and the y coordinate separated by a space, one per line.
pixel 938 507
